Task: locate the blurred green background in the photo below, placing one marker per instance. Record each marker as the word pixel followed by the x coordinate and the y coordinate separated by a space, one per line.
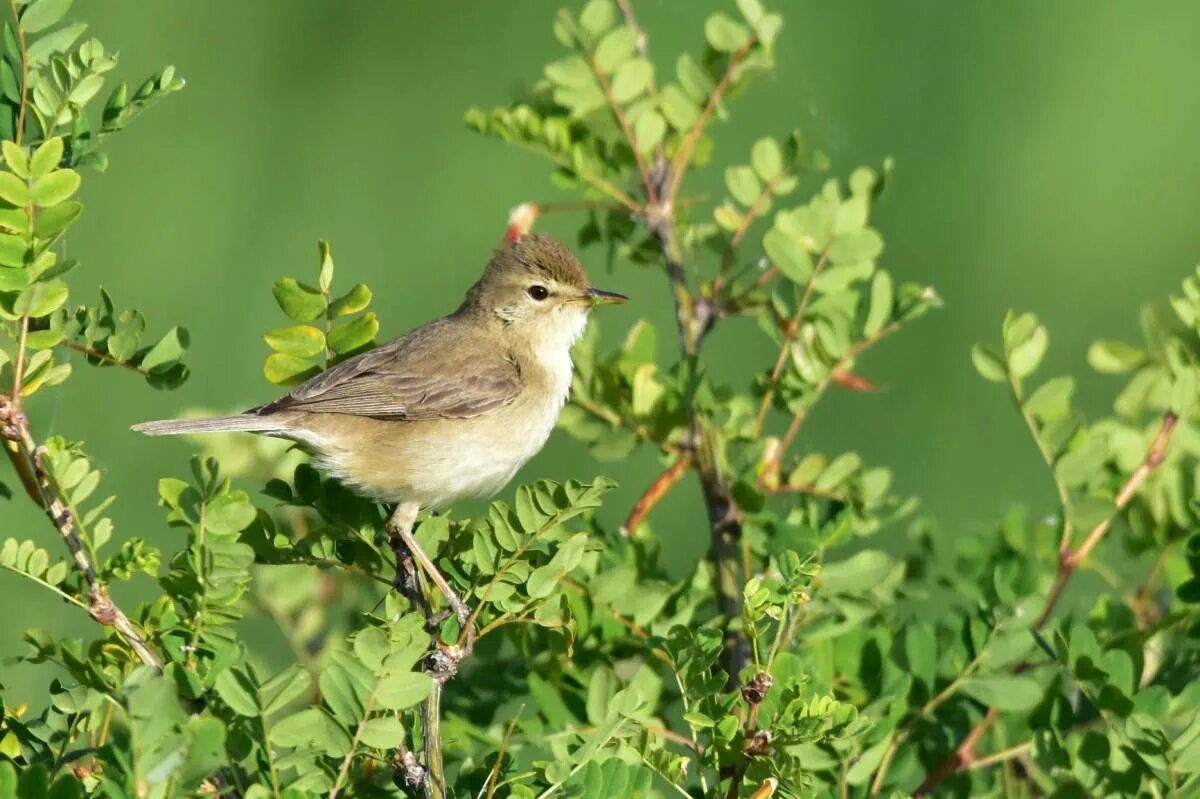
pixel 1045 153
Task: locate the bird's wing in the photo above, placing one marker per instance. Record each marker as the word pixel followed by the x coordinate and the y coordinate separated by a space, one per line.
pixel 410 378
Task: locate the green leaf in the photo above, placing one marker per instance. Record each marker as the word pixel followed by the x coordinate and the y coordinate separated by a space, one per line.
pixel 632 79
pixel 353 301
pixel 615 48
pixel 1025 357
pixel 12 254
pixel 852 248
pixel 57 218
pixel 325 279
pixel 385 732
pixel 543 581
pixel 13 190
pixel 695 81
pixel 41 14
pixel 724 33
pixel 46 157
pixel 856 574
pixel 15 157
pixel 57 41
pixel 988 364
pixel 678 109
pixel 767 159
pixel 299 301
pixel 303 341
pixel 283 688
pixel 167 350
pixel 52 189
pixel 1052 400
pixel 1114 357
pixel 286 370
pixel 1004 691
pixel 41 298
pixel 882 299
pixel 350 336
pixel 649 130
pixel 789 255
pixel 403 689
pixel 742 184
pixel 597 17
pixel 235 693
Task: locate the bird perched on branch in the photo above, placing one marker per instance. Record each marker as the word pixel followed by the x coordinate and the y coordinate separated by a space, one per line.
pixel 452 409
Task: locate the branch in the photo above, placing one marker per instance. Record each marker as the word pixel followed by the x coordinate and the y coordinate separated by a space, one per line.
pixel 1068 562
pixel 102 356
pixel 24 73
pixel 789 333
pixel 654 494
pixel 1064 496
pixel 101 606
pixel 841 364
pixel 683 155
pixel 626 128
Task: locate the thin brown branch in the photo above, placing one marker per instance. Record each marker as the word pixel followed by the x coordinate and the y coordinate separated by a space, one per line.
pixel 753 744
pixel 641 45
pixel 791 330
pixel 615 419
pixel 1068 563
pixel 101 606
pixel 19 366
pixel 842 363
pixel 626 129
pixel 24 73
pixel 810 490
pixel 101 356
pixel 654 494
pixel 687 146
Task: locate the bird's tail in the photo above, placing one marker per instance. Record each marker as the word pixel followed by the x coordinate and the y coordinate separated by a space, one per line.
pixel 245 423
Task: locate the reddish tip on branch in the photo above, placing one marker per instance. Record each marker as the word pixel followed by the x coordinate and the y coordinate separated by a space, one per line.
pixel 520 221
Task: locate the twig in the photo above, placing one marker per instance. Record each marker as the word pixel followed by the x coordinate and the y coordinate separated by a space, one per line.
pixel 101 606
pixel 754 743
pixel 24 73
pixel 641 45
pixel 626 129
pixel 616 420
pixel 600 184
pixel 683 155
pixel 790 332
pixel 818 391
pixel 19 366
pixel 489 784
pixel 654 494
pixel 1068 562
pixel 1003 755
pixel 811 490
pixel 1064 496
pixel 102 356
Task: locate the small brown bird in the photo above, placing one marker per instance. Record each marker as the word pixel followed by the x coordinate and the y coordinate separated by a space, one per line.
pixel 452 409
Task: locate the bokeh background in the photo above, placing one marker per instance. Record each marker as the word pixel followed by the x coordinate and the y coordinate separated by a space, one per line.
pixel 1046 160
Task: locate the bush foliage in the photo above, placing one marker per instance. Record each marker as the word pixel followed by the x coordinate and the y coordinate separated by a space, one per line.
pixel 796 659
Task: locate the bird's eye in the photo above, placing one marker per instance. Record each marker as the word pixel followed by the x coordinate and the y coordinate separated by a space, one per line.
pixel 539 293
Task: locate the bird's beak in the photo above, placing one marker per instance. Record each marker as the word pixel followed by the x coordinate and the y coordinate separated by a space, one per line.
pixel 602 297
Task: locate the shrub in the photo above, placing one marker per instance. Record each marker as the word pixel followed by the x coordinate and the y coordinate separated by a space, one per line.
pixel 795 658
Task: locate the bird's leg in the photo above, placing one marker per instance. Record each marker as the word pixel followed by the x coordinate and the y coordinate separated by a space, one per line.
pixel 408 578
pixel 400 525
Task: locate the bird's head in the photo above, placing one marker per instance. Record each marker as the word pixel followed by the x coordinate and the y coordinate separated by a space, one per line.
pixel 536 285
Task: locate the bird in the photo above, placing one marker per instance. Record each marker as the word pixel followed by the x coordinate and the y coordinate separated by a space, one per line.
pixel 452 409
